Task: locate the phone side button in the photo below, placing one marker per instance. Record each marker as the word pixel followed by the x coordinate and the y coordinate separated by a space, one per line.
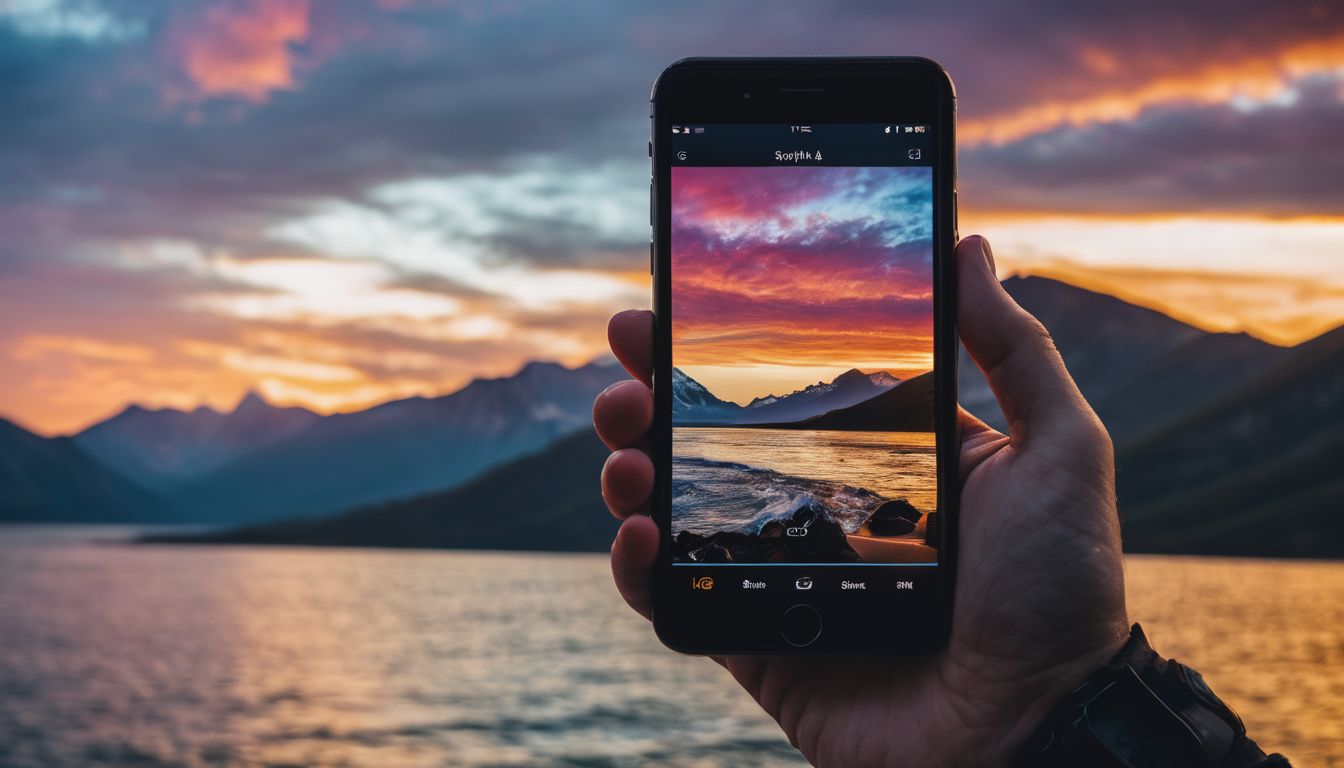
pixel 801 626
pixel 956 227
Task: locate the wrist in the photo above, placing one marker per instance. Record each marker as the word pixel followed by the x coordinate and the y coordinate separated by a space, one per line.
pixel 999 715
pixel 1044 693
pixel 1140 709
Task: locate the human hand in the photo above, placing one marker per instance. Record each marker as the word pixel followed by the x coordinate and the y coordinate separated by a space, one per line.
pixel 1040 600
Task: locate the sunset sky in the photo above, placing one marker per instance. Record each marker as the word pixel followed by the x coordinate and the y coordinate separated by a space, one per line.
pixel 337 203
pixel 786 276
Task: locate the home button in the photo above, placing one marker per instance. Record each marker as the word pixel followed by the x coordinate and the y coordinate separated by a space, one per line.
pixel 801 626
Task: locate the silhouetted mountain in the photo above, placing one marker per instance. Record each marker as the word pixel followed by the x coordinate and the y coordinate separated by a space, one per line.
pixel 162 447
pixel 849 388
pixel 907 407
pixel 1253 474
pixel 1136 366
pixel 546 501
pixel 1224 444
pixel 1256 472
pixel 693 403
pixel 51 480
pixel 398 449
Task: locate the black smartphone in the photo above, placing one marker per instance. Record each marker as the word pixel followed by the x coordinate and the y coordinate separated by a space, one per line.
pixel 804 218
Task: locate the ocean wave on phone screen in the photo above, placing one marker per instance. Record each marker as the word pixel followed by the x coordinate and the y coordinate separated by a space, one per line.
pixel 710 496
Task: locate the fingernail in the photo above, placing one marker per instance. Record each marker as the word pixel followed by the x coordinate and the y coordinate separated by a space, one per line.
pixel 609 388
pixel 988 253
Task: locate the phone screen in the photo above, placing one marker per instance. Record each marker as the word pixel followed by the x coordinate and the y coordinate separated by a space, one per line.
pixel 802 327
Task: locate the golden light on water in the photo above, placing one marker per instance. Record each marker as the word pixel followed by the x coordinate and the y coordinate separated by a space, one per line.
pixel 400 658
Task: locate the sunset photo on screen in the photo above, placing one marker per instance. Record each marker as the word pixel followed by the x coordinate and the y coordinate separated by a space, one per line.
pixel 802 345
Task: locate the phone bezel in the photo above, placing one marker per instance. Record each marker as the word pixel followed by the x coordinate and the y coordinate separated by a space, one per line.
pixel 788 91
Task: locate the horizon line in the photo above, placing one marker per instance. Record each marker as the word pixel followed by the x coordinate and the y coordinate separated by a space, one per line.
pixel 1127 297
pixel 899 380
pixel 603 360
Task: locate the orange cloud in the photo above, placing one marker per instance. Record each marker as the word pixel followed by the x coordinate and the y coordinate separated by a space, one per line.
pixel 1280 309
pixel 243 48
pixel 1259 78
pixel 35 346
pixel 1281 280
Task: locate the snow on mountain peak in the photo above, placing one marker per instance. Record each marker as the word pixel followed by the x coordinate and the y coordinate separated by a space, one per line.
pixel 883 379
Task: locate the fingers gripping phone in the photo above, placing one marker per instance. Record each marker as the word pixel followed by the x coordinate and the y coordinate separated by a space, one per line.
pixel 804 216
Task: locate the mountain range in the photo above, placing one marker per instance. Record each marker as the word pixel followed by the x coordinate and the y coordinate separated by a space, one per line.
pixel 1254 472
pixel 906 407
pixel 1224 445
pixel 693 403
pixel 399 449
pixel 53 480
pixel 1137 367
pixel 159 448
pixel 263 462
pixel 546 501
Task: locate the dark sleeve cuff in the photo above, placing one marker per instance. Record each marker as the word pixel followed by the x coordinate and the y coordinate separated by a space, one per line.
pixel 1140 705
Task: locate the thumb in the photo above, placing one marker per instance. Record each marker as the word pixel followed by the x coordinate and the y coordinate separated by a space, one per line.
pixel 1016 354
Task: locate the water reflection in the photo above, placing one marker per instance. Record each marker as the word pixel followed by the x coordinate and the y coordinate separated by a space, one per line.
pixel 897 465
pixel 208 656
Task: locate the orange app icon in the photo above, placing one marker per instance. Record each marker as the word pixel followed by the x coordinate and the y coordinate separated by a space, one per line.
pixel 702 582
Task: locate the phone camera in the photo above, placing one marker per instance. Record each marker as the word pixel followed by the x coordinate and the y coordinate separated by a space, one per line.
pixel 747 95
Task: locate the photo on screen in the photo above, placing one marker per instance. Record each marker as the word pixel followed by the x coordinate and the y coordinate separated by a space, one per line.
pixel 802 352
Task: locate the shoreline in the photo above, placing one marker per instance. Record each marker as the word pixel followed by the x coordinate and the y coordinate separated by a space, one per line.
pixel 756 514
pixel 798 425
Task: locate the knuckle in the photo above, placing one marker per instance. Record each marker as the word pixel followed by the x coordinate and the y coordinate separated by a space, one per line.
pixel 1103 437
pixel 1038 333
pixel 1088 436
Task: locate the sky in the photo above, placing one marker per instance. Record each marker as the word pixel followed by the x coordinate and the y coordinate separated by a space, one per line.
pixel 338 203
pixel 789 275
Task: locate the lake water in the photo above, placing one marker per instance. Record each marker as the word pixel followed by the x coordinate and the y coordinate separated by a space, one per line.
pixel 155 656
pixel 897 465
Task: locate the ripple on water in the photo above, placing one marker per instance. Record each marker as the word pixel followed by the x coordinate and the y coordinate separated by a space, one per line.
pixel 154 656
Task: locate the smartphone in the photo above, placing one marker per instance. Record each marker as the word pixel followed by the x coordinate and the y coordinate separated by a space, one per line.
pixel 804 217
